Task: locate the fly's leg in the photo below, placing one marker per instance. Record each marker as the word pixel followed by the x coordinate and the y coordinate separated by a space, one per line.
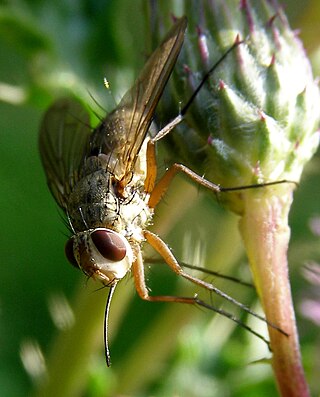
pixel 158 190
pixel 150 181
pixel 151 168
pixel 141 287
pixel 163 184
pixel 164 251
pixel 151 160
pixel 172 262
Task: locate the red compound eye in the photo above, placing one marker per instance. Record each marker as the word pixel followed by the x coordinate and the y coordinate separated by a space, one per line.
pixel 109 244
pixel 68 249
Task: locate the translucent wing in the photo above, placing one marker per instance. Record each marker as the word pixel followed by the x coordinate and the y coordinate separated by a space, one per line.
pixel 63 143
pixel 124 130
pixel 65 131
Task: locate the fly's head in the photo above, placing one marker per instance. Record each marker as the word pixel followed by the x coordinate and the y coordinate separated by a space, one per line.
pixel 100 253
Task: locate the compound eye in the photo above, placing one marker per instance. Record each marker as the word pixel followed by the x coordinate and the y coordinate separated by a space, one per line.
pixel 109 244
pixel 68 249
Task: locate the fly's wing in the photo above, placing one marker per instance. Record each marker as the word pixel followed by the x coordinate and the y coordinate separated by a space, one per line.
pixel 122 133
pixel 63 142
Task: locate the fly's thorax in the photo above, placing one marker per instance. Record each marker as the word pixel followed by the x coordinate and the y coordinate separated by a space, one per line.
pixel 100 253
pixel 99 200
pixel 93 202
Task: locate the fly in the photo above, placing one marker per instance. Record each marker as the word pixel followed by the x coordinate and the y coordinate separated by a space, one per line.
pixel 105 180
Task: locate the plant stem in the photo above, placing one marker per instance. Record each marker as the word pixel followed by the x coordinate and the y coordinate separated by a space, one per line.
pixel 265 230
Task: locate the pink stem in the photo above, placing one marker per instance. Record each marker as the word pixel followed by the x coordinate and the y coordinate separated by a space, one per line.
pixel 266 234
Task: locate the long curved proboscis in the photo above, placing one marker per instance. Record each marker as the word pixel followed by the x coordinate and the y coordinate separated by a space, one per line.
pixel 106 321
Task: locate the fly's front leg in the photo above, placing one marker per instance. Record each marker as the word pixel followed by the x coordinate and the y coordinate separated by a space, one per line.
pixel 171 261
pixel 164 251
pixel 141 287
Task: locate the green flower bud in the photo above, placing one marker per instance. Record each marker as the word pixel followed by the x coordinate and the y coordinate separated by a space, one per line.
pixel 256 119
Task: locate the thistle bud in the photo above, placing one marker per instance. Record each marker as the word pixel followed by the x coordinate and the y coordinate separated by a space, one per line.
pixel 256 118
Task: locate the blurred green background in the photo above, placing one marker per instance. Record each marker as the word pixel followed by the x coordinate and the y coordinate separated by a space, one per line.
pixel 51 317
